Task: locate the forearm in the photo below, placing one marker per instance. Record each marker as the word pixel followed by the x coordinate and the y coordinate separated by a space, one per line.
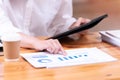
pixel 27 41
pixel 51 45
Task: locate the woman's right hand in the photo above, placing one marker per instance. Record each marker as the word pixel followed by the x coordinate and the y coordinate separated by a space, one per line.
pixel 53 46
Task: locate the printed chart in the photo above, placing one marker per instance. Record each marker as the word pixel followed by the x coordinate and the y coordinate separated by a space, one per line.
pixel 74 57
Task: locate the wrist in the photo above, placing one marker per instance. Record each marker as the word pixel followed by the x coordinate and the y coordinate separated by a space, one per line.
pixel 27 41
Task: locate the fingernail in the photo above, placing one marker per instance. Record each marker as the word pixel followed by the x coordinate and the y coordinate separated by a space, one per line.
pixel 62 53
pixel 48 50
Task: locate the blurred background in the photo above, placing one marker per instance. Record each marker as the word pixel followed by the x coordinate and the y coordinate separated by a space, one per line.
pixel 94 8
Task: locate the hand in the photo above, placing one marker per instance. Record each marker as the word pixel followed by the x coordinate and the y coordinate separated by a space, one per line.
pixel 79 22
pixel 51 45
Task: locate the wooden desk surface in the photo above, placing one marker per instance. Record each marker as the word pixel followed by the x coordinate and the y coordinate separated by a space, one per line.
pixel 22 70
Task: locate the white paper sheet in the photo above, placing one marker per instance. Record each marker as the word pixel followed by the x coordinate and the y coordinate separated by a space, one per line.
pixel 74 57
pixel 114 33
pixel 111 36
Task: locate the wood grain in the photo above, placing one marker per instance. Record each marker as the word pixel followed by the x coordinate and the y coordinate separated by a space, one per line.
pixel 22 70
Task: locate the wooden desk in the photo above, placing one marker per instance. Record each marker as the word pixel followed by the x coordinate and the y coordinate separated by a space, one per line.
pixel 22 70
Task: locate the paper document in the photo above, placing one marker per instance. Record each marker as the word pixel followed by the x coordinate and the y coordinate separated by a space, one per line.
pixel 74 57
pixel 111 36
pixel 1 49
pixel 114 33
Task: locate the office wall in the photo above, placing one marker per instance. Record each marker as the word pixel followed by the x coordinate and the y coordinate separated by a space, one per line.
pixel 94 8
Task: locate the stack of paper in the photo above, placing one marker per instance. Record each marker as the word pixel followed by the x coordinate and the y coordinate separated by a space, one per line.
pixel 111 36
pixel 1 49
pixel 74 57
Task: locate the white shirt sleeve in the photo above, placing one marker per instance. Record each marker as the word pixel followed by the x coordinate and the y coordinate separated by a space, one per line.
pixel 5 23
pixel 64 19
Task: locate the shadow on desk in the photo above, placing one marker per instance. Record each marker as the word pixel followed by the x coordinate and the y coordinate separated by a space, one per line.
pixel 88 38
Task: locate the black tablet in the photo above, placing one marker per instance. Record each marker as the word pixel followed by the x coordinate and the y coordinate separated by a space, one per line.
pixel 89 25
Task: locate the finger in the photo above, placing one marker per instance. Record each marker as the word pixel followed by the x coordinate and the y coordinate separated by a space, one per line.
pixel 61 50
pixel 55 46
pixel 88 20
pixel 51 46
pixel 79 21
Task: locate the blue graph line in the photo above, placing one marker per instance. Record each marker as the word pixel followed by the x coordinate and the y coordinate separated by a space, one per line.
pixel 44 60
pixel 60 59
pixel 85 55
pixel 65 58
pixel 39 56
pixel 75 56
pixel 72 57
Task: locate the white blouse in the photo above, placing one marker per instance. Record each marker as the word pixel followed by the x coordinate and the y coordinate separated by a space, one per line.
pixel 35 17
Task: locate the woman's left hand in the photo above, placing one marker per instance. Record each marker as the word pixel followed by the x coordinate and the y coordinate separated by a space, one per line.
pixel 79 22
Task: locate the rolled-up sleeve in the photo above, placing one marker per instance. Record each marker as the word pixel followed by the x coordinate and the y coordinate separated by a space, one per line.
pixel 64 19
pixel 5 23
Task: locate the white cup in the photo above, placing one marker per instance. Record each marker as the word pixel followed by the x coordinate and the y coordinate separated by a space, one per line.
pixel 11 46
